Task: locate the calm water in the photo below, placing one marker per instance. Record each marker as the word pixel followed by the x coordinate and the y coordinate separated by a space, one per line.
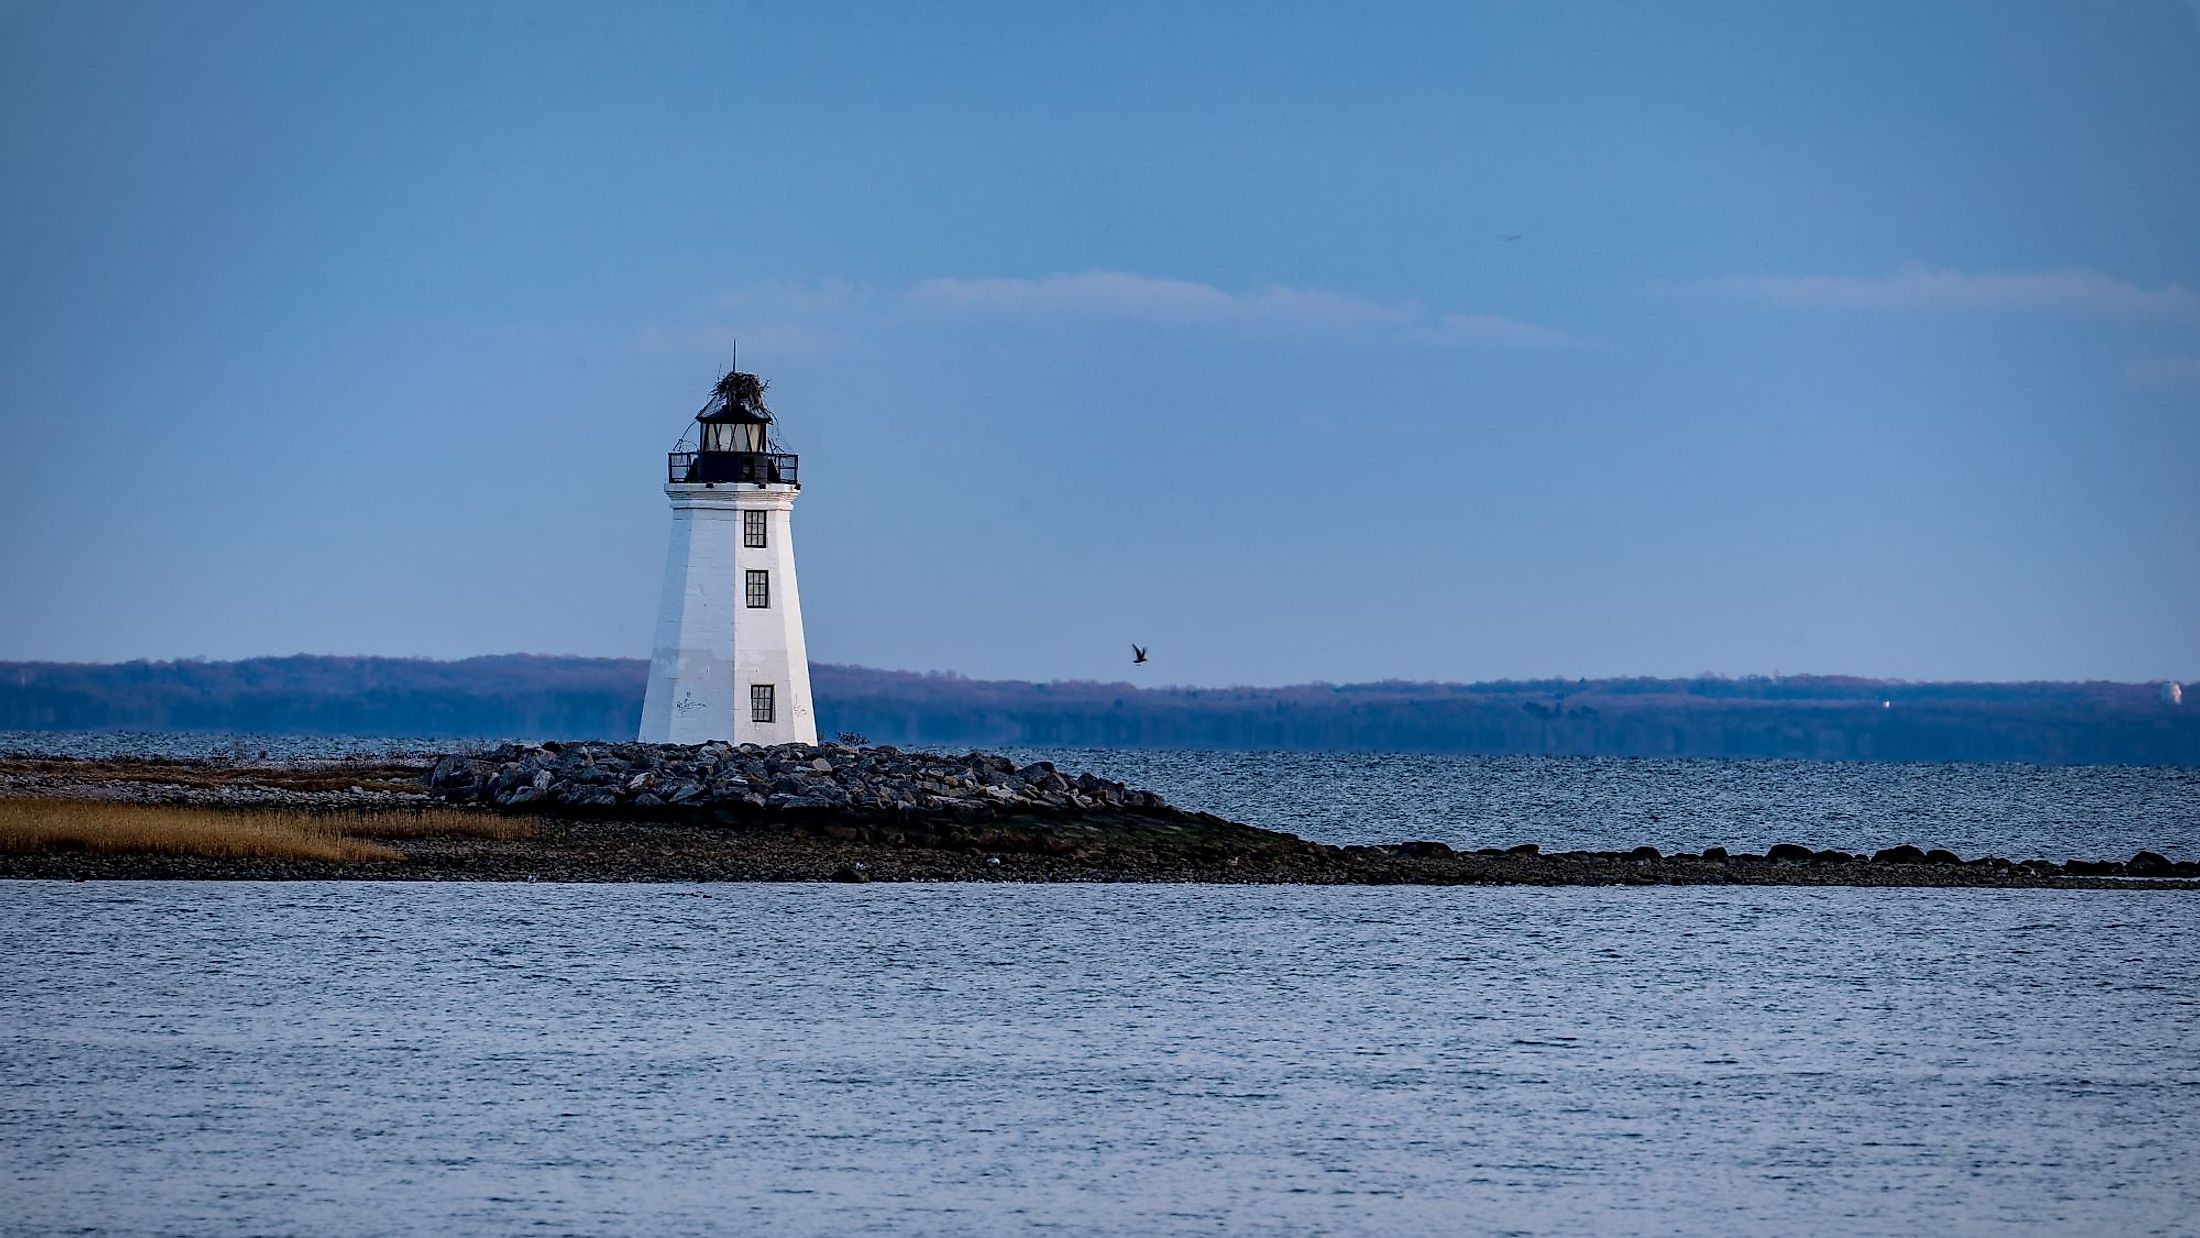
pixel 362 1058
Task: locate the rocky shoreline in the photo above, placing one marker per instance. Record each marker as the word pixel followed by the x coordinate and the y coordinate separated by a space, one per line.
pixel 719 812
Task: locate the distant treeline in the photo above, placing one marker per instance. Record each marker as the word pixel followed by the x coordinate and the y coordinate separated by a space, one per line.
pixel 1817 717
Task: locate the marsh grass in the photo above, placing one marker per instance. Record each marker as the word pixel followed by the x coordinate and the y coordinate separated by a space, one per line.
pixel 32 827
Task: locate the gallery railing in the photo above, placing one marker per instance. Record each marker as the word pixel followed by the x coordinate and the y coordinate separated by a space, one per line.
pixel 776 468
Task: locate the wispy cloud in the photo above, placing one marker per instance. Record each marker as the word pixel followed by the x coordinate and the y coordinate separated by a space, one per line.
pixel 1186 304
pixel 1178 303
pixel 1491 330
pixel 2074 290
pixel 761 336
pixel 816 313
pixel 2165 374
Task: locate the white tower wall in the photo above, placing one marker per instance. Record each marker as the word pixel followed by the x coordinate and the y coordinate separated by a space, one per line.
pixel 712 647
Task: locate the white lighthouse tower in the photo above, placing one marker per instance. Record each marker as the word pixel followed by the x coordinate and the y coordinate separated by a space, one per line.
pixel 729 661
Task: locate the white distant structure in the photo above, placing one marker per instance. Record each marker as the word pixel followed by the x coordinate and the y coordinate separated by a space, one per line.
pixel 2173 693
pixel 730 662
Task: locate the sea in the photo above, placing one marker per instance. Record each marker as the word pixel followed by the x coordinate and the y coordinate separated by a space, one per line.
pixel 385 1058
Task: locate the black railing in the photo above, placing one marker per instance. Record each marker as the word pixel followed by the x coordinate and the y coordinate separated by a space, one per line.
pixel 777 468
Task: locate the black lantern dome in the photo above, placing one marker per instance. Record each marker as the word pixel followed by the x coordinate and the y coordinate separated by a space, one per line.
pixel 733 439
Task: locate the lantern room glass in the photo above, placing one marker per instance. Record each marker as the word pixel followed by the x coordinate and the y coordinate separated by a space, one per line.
pixel 736 436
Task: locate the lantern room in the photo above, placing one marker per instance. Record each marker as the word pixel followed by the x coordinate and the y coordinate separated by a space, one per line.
pixel 733 440
pixel 735 430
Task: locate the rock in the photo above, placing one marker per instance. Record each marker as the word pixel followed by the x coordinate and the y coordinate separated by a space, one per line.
pixel 1790 853
pixel 2150 864
pixel 1426 850
pixel 1939 856
pixel 720 783
pixel 1644 854
pixel 1714 855
pixel 1903 854
pixel 1524 849
pixel 848 873
pixel 1831 857
pixel 1100 790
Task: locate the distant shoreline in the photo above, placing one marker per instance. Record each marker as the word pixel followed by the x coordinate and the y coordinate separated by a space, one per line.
pixel 1797 717
pixel 1037 835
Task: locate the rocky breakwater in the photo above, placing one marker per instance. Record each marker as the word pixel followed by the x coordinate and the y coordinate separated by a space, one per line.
pixel 859 813
pixel 880 795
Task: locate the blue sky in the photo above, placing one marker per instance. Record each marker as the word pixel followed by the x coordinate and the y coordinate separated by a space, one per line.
pixel 1856 338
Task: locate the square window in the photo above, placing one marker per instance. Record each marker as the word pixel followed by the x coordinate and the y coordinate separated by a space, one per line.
pixel 760 589
pixel 752 529
pixel 760 702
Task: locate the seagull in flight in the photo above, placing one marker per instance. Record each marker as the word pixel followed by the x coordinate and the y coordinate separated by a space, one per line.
pixel 1138 655
pixel 1512 236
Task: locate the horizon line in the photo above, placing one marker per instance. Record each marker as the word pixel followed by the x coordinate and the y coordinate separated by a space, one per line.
pixel 1699 677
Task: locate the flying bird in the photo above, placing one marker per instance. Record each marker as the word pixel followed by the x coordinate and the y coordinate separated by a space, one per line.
pixel 1512 236
pixel 1138 655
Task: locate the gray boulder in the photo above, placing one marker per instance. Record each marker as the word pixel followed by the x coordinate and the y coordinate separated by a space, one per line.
pixel 2150 864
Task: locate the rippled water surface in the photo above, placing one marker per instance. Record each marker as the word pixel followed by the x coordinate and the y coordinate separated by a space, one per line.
pixel 366 1058
pixel 2052 811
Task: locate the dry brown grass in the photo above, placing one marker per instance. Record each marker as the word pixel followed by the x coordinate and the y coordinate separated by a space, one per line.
pixel 47 826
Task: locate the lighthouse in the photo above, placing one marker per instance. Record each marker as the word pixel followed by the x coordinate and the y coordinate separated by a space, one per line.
pixel 729 661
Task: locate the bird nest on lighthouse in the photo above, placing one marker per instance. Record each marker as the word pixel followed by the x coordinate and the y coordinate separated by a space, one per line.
pixel 735 392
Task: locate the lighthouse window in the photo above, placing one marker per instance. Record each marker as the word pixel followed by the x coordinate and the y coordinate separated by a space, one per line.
pixel 752 528
pixel 760 589
pixel 760 702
